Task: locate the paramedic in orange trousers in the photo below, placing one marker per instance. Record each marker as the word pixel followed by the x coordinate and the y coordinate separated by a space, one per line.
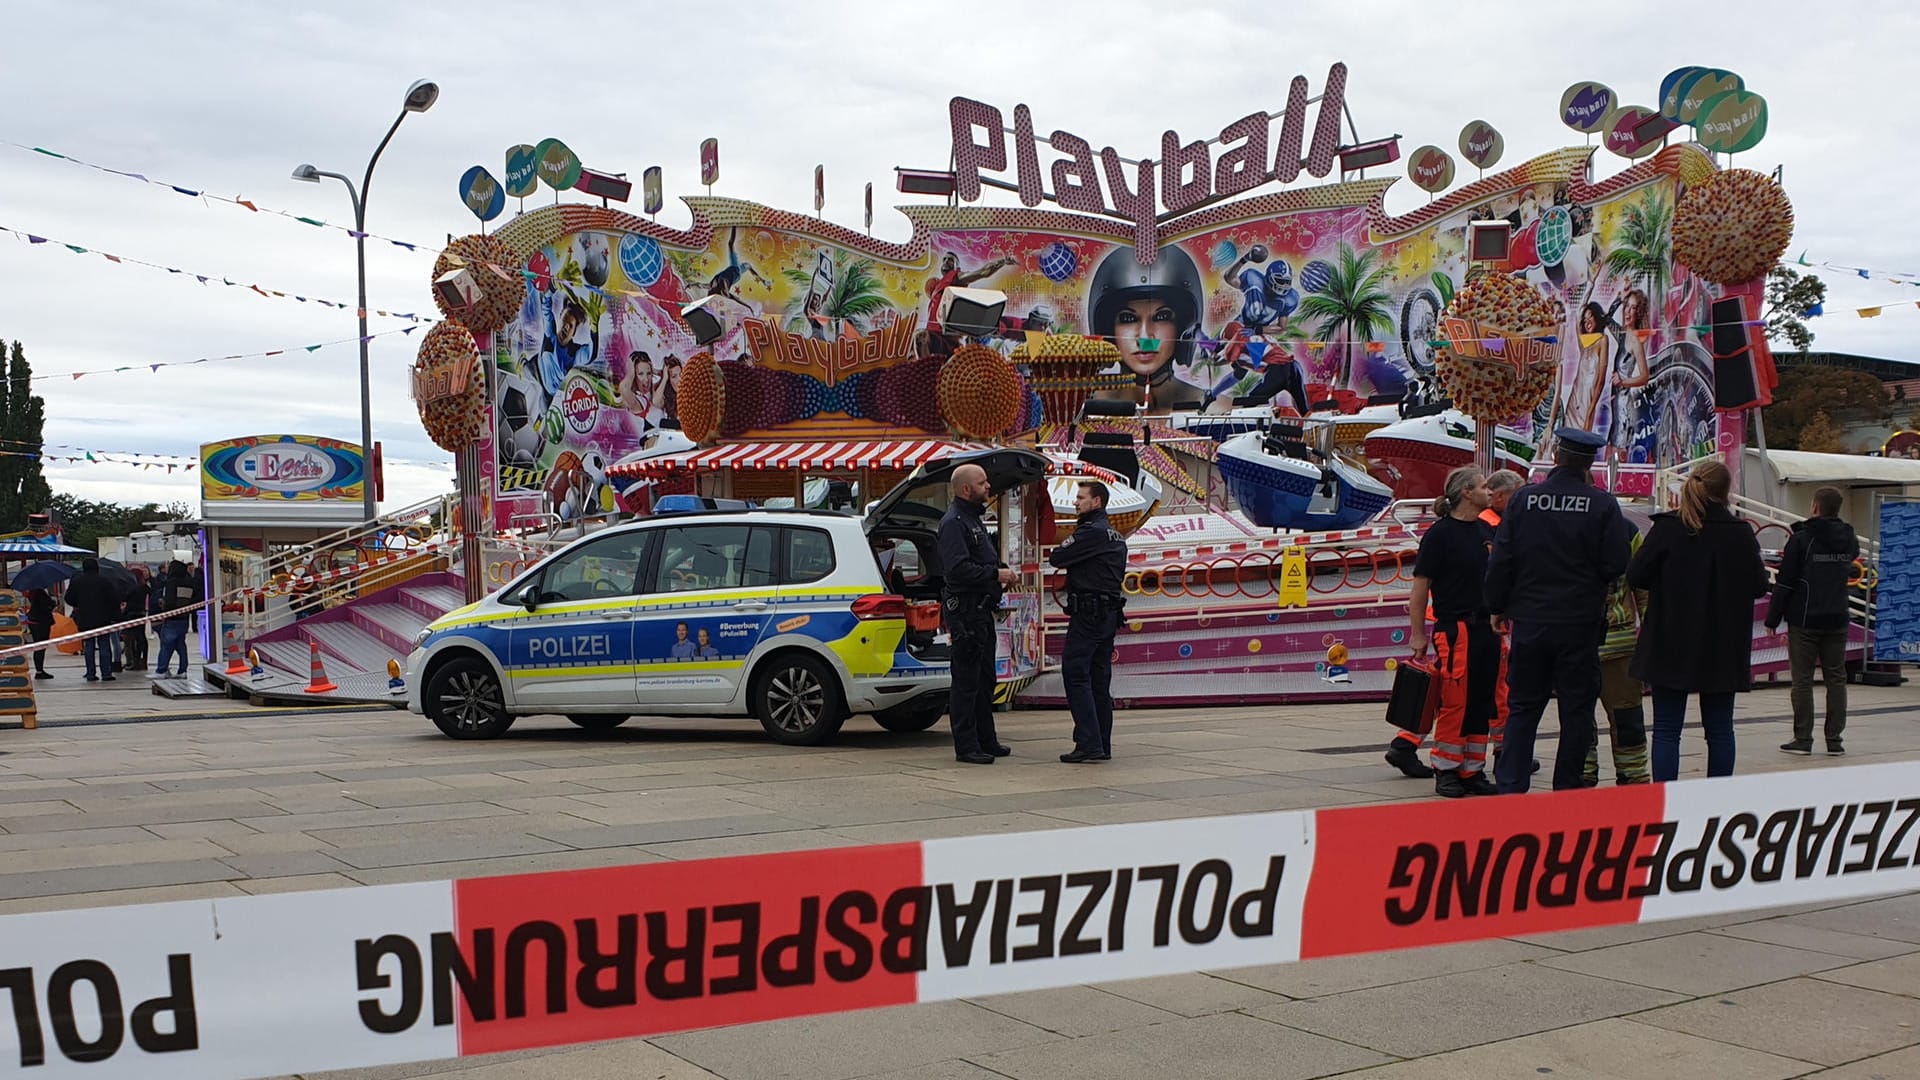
pixel 1501 486
pixel 1451 567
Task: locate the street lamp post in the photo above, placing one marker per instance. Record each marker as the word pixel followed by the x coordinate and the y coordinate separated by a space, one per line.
pixel 420 97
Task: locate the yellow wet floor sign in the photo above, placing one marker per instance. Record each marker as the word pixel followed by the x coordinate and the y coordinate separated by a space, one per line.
pixel 1293 579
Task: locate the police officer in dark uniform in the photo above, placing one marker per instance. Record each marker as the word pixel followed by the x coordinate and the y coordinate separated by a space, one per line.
pixel 971 595
pixel 1095 559
pixel 1559 549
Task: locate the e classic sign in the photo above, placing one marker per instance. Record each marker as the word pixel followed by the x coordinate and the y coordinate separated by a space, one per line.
pixel 1188 173
pixel 281 468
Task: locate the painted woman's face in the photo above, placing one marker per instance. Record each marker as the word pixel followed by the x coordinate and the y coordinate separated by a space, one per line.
pixel 1588 324
pixel 1144 323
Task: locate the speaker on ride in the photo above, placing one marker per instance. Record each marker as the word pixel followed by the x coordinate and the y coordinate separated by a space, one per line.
pixel 1736 383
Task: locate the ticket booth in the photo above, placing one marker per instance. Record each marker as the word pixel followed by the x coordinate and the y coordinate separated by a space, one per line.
pixel 261 495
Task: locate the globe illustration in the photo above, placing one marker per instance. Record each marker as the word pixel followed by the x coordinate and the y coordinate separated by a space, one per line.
pixel 1316 275
pixel 1058 261
pixel 641 260
pixel 1554 236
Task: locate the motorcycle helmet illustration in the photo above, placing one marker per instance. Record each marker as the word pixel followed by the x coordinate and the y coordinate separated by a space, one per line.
pixel 1173 280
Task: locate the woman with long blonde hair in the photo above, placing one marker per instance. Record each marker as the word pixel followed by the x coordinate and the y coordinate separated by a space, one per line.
pixel 1701 568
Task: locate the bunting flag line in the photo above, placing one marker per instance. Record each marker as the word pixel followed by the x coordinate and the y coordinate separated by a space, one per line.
pixel 202 193
pixel 1896 277
pixel 44 376
pixel 34 239
pixel 96 459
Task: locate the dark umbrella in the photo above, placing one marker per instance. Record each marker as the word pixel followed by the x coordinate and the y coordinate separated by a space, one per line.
pixel 44 574
pixel 117 573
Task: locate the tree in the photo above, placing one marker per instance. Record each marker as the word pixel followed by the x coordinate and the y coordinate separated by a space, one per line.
pixel 1810 390
pixel 1791 296
pixel 857 295
pixel 1352 306
pixel 1819 437
pixel 23 490
pixel 1643 245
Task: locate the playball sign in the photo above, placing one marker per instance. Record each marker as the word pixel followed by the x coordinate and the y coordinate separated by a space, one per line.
pixel 281 468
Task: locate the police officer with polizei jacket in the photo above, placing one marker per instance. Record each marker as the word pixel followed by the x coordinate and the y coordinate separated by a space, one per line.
pixel 1558 550
pixel 1095 559
pixel 968 600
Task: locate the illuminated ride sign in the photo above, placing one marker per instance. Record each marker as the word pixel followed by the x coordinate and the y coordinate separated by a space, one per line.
pixel 1188 174
pixel 830 361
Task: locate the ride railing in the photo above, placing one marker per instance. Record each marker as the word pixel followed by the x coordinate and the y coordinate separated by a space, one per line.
pixel 1369 565
pixel 395 546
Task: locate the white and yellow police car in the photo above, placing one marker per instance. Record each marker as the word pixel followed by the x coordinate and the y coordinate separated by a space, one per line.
pixel 799 618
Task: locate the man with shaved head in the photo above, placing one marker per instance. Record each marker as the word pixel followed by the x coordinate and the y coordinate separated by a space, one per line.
pixel 968 600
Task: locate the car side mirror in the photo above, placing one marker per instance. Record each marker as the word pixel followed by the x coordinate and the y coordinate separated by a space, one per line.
pixel 529 597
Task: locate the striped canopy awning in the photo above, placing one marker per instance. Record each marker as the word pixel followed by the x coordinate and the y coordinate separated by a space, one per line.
pixel 40 547
pixel 822 456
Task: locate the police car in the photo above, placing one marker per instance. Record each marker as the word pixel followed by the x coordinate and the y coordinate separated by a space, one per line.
pixel 799 618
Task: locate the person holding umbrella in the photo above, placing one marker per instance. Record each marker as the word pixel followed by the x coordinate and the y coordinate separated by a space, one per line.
pixel 96 603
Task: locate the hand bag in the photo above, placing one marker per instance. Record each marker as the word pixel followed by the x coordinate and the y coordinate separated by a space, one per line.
pixel 1415 698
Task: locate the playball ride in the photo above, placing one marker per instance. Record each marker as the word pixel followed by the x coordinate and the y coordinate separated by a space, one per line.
pixel 780 360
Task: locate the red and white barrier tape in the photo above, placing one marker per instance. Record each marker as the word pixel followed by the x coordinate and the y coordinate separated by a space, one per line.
pixel 350 978
pixel 113 628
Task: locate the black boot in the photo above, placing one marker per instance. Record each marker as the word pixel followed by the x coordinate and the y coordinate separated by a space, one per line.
pixel 1405 756
pixel 1448 785
pixel 1476 783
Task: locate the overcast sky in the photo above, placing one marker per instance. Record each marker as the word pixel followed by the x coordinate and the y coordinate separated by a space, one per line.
pixel 230 96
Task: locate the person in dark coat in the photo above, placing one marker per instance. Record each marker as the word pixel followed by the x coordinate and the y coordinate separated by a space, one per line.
pixel 40 607
pixel 1702 571
pixel 96 603
pixel 1811 594
pixel 134 606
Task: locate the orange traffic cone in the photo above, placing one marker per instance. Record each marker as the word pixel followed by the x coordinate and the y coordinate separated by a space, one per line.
pixel 319 683
pixel 236 664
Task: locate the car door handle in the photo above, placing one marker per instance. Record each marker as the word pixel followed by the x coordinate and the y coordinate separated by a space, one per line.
pixel 616 616
pixel 753 605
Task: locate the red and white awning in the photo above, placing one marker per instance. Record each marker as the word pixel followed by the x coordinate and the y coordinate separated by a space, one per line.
pixel 822 456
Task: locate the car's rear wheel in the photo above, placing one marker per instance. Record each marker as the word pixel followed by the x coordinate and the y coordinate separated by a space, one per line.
pixel 797 699
pixel 597 721
pixel 913 716
pixel 464 700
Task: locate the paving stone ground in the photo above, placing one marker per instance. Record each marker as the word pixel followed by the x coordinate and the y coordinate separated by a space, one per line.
pixel 123 797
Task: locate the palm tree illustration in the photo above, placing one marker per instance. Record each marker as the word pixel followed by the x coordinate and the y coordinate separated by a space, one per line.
pixel 1352 306
pixel 1643 244
pixel 857 294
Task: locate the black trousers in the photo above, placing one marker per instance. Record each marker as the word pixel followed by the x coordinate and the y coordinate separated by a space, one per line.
pixel 1560 660
pixel 970 700
pixel 1086 667
pixel 40 632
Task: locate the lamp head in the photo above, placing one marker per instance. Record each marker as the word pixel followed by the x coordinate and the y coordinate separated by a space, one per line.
pixel 422 94
pixel 307 173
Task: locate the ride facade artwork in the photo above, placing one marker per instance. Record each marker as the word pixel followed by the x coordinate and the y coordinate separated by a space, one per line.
pixel 1318 277
pixel 1202 278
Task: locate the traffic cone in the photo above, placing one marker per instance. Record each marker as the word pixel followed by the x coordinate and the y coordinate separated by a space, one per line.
pixel 236 664
pixel 318 683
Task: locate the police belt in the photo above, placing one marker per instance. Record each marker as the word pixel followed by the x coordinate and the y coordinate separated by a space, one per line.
pixel 1094 603
pixel 970 602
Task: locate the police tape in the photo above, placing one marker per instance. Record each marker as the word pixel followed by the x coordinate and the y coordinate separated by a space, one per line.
pixel 268 985
pixel 110 628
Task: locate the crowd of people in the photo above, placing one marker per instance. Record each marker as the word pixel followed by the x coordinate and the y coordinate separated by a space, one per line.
pixel 1549 591
pixel 95 601
pixel 1521 594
